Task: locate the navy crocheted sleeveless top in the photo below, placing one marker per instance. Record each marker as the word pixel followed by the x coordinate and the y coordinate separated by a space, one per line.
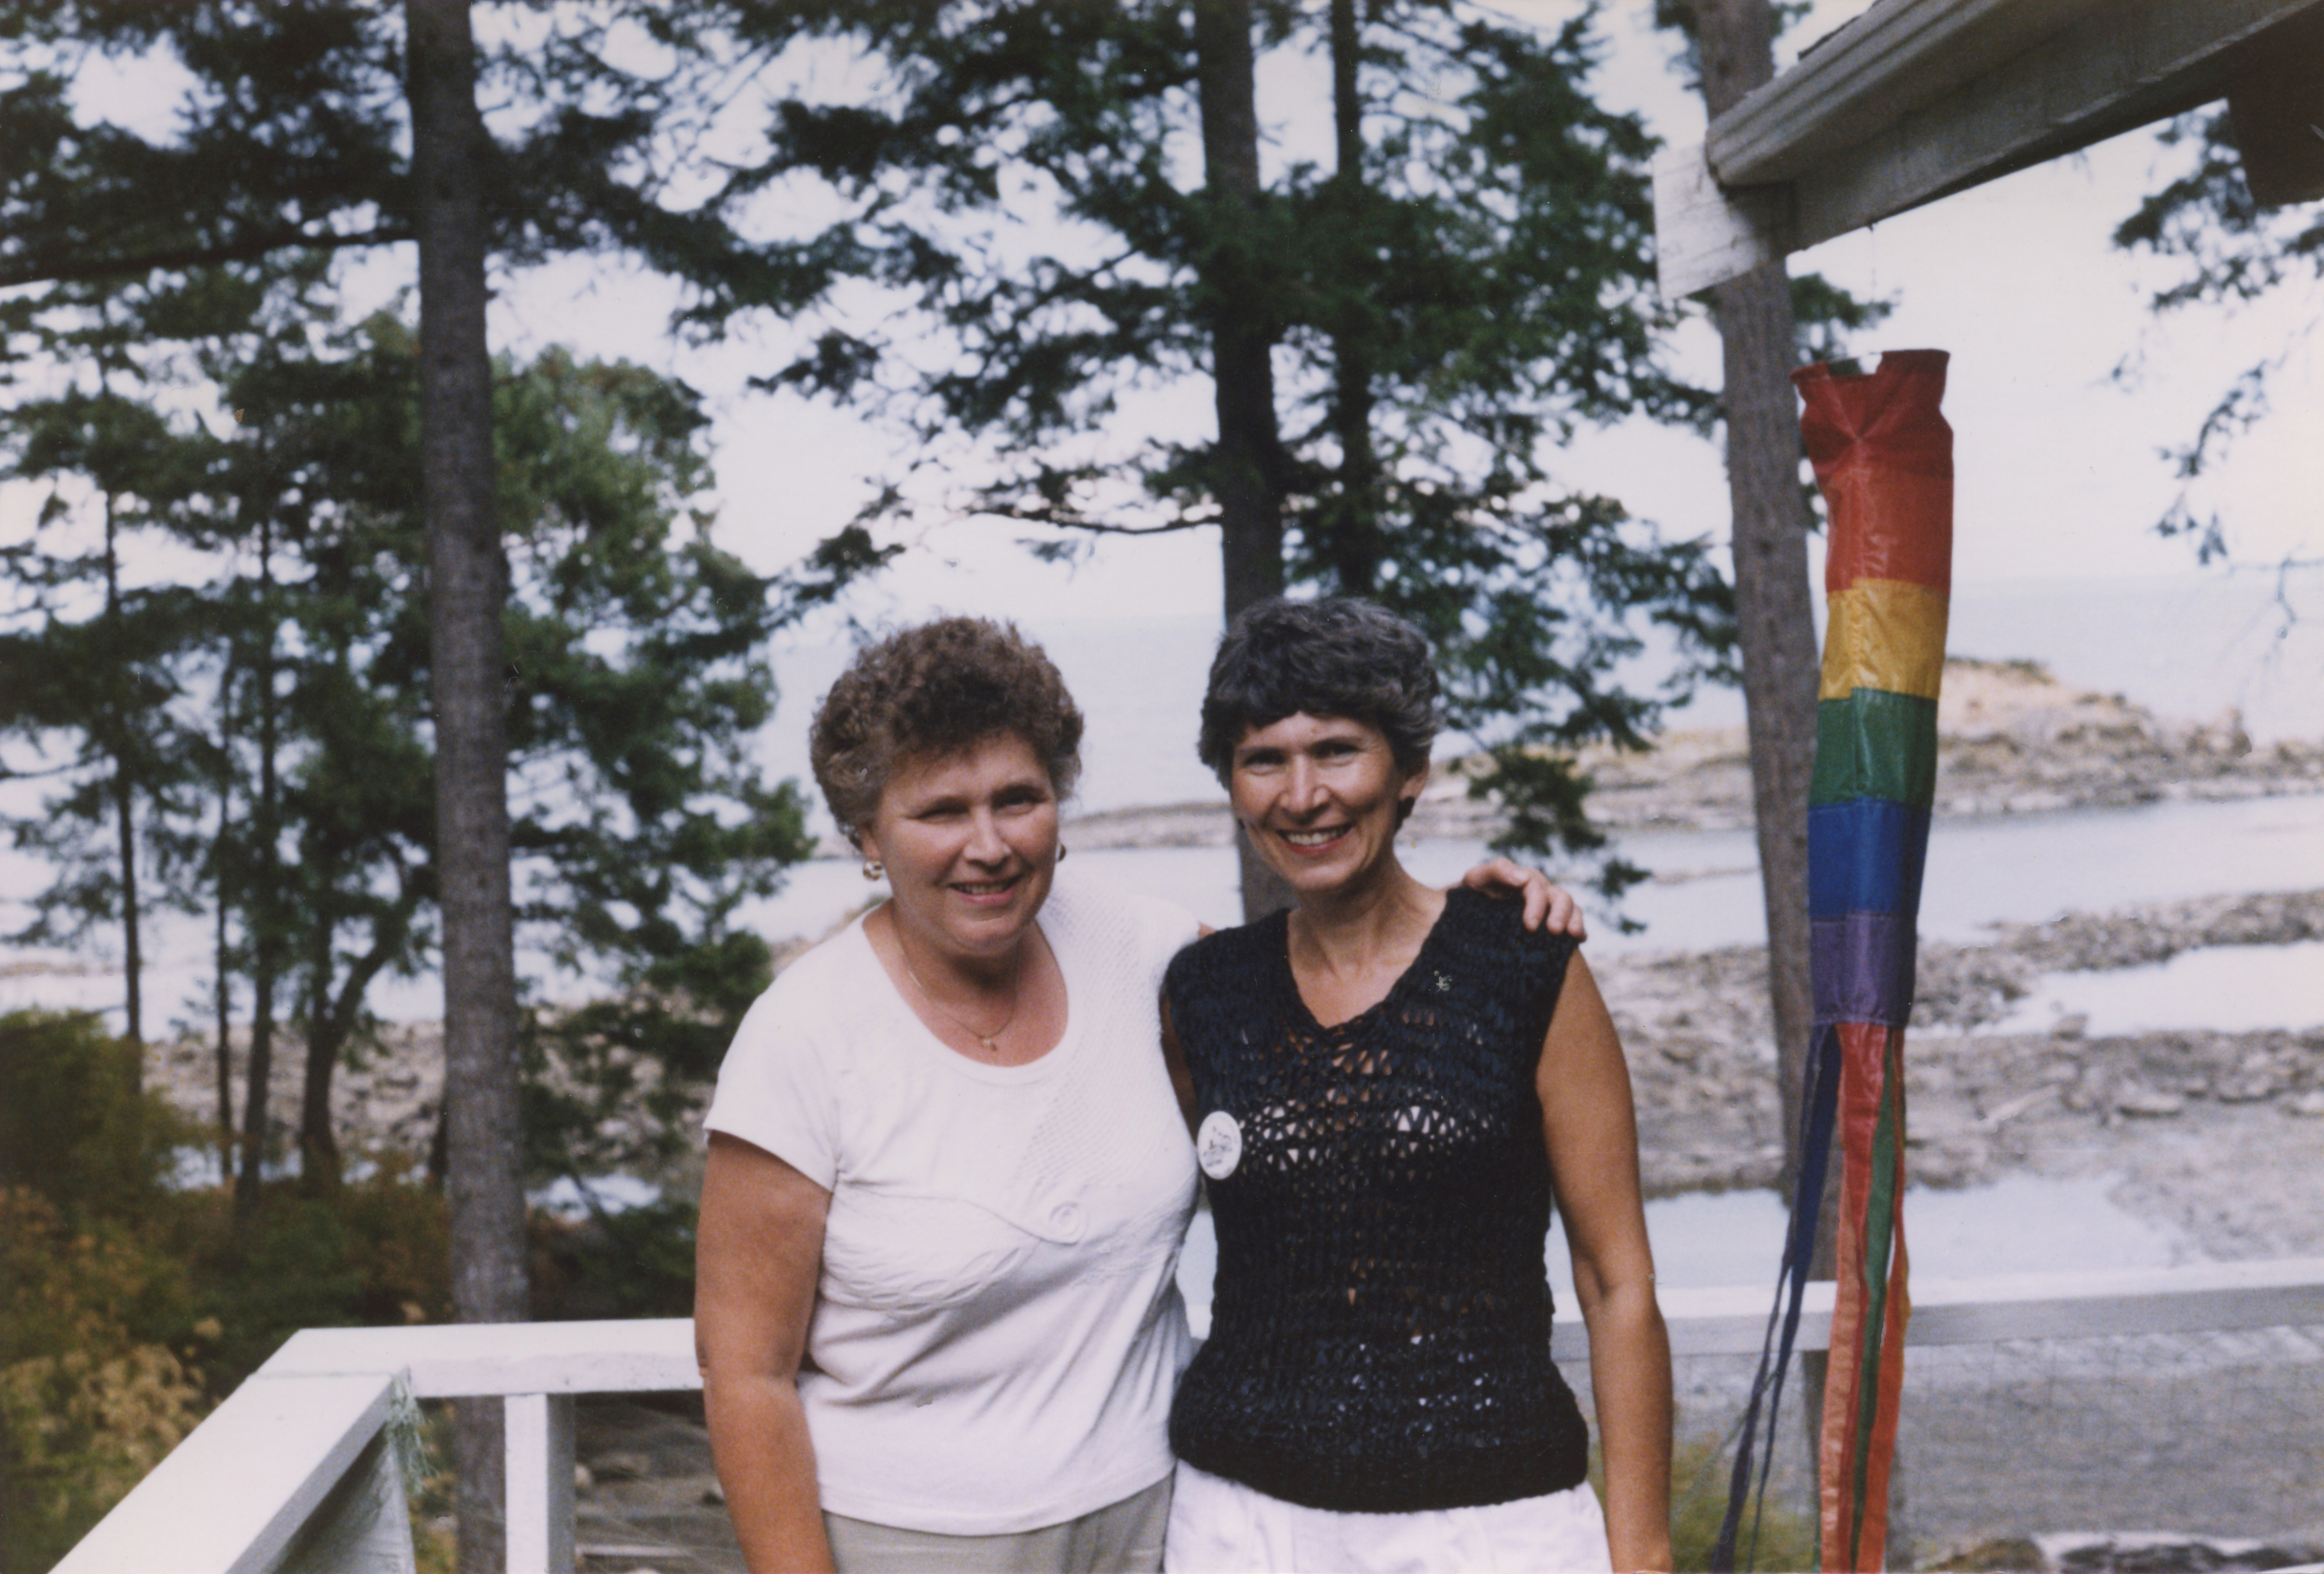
pixel 1380 1333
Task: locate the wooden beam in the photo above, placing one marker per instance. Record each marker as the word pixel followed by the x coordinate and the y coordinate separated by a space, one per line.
pixel 1917 99
pixel 1704 234
pixel 236 1495
pixel 2278 112
pixel 1899 57
pixel 460 1359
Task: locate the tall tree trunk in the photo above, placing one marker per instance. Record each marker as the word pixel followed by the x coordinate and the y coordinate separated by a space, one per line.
pixel 1351 521
pixel 1775 619
pixel 132 961
pixel 333 1016
pixel 265 911
pixel 224 1001
pixel 466 588
pixel 1774 602
pixel 1247 473
pixel 318 1145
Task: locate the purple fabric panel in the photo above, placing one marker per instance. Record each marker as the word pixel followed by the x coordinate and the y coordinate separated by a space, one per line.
pixel 1862 965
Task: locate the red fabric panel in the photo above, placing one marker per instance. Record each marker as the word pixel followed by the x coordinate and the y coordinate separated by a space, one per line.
pixel 1874 1535
pixel 1863 1055
pixel 1884 460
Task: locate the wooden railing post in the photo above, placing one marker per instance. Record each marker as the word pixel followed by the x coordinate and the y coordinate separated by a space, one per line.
pixel 540 1483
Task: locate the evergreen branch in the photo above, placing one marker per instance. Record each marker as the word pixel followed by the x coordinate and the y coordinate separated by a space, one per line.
pixel 248 249
pixel 1066 520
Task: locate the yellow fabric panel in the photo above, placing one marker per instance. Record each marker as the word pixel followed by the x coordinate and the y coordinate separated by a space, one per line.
pixel 1885 634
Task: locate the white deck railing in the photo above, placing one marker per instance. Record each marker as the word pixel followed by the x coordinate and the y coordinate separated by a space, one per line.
pixel 296 1472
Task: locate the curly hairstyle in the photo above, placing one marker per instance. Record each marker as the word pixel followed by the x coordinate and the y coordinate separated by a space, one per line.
pixel 1337 656
pixel 936 689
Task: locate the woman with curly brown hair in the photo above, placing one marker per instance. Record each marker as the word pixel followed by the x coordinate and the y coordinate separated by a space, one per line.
pixel 936 1308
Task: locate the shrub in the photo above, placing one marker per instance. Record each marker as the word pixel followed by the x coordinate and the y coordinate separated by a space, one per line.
pixel 1700 1472
pixel 74 1125
pixel 638 1262
pixel 87 1406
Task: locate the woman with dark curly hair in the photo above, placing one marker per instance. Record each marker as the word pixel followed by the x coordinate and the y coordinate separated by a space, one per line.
pixel 1389 1085
pixel 936 1306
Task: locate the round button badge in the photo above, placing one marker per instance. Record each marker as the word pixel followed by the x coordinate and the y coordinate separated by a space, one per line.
pixel 1218 1144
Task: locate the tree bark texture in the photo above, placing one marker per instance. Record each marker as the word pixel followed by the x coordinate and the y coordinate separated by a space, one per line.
pixel 222 998
pixel 318 1145
pixel 265 909
pixel 1246 464
pixel 466 588
pixel 1351 523
pixel 133 954
pixel 1775 607
pixel 1775 624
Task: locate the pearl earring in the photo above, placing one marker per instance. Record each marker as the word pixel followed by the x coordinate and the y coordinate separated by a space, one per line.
pixel 874 868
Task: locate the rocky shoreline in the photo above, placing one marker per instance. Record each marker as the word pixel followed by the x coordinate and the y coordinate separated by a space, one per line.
pixel 1695 1026
pixel 2164 1110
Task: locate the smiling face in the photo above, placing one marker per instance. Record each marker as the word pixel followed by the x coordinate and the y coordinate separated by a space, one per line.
pixel 1320 797
pixel 970 839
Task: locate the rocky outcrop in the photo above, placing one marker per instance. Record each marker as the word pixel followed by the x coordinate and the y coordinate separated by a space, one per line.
pixel 2011 740
pixel 1983 1103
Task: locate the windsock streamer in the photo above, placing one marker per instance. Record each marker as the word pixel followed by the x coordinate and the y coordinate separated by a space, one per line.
pixel 1883 457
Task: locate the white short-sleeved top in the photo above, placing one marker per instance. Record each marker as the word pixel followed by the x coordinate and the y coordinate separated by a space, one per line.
pixel 998 1327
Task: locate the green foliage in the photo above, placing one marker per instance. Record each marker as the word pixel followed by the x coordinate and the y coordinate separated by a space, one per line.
pixel 128 1305
pixel 1446 311
pixel 375 1253
pixel 1781 1537
pixel 266 740
pixel 73 1125
pixel 87 1405
pixel 293 139
pixel 637 1262
pixel 635 680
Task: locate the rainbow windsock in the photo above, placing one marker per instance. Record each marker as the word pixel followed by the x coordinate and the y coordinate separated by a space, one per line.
pixel 1883 457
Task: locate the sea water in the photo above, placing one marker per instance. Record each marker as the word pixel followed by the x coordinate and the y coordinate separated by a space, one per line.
pixel 1703 892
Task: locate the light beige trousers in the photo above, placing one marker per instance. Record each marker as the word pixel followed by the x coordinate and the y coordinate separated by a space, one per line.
pixel 1121 1538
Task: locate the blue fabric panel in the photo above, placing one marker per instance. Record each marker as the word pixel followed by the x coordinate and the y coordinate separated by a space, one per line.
pixel 1864 855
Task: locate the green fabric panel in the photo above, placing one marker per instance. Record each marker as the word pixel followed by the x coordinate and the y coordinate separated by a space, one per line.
pixel 1876 745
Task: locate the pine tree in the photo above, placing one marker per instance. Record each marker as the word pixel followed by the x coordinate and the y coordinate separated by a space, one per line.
pixel 1436 316
pixel 290 148
pixel 2235 250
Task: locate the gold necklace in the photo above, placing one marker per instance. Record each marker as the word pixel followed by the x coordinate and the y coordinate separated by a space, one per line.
pixel 1015 995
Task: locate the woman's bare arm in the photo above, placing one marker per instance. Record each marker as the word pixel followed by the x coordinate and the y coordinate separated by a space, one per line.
pixel 759 1251
pixel 1591 1130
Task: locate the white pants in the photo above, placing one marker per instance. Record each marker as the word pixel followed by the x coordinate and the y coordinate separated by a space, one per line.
pixel 1219 1527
